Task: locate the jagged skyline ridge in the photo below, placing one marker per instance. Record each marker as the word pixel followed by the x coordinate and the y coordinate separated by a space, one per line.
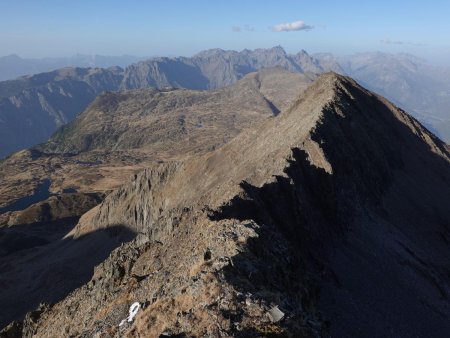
pixel 158 28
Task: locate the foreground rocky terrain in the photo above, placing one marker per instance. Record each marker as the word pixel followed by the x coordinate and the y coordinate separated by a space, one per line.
pixel 44 191
pixel 329 219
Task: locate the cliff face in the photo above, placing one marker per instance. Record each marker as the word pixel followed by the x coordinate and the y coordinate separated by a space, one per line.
pixel 330 219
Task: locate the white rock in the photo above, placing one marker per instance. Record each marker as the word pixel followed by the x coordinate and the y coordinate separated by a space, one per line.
pixel 276 314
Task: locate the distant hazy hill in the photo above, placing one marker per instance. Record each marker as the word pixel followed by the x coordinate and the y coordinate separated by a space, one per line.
pixel 12 66
pixel 33 107
pixel 410 82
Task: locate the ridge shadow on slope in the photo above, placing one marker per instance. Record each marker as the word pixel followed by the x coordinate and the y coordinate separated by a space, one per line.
pixel 47 270
pixel 343 234
pixel 289 215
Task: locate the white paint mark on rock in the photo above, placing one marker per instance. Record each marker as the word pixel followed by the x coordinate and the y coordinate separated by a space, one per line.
pixel 134 309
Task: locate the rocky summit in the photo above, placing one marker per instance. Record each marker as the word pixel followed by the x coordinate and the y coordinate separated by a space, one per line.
pixel 329 219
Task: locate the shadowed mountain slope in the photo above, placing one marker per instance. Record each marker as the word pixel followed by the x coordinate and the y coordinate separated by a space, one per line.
pixel 33 107
pixel 335 212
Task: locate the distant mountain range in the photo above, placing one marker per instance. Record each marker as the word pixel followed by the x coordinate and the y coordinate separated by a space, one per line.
pixel 12 66
pixel 33 107
pixel 217 68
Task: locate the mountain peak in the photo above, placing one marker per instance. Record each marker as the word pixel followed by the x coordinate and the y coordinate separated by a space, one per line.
pixel 333 77
pixel 10 57
pixel 278 48
pixel 210 52
pixel 218 51
pixel 302 52
pixel 329 84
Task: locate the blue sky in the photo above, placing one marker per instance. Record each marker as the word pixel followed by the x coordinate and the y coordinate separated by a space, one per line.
pixel 33 28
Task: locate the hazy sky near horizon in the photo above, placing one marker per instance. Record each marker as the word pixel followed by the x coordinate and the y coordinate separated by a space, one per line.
pixel 32 28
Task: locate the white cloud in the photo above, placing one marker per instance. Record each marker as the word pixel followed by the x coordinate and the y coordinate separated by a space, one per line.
pixel 292 26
